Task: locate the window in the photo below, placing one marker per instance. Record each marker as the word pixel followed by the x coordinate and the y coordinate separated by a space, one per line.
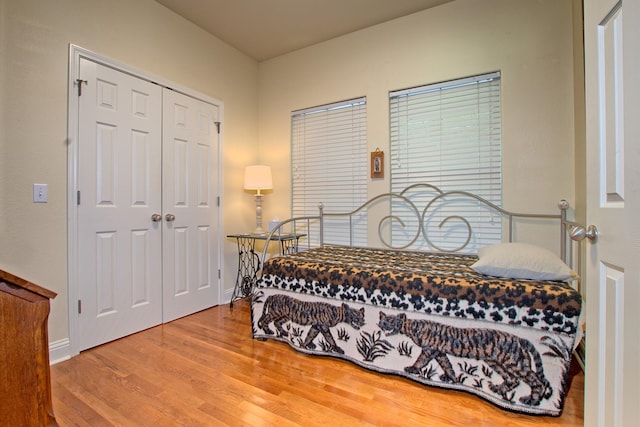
pixel 329 165
pixel 449 135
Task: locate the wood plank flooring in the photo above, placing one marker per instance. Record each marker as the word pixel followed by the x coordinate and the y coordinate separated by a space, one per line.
pixel 206 370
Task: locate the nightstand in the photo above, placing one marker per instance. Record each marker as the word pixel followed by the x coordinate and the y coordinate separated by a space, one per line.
pixel 249 260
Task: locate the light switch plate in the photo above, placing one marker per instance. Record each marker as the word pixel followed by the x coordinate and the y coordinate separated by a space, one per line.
pixel 40 193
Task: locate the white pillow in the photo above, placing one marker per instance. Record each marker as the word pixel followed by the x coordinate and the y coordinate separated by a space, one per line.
pixel 522 261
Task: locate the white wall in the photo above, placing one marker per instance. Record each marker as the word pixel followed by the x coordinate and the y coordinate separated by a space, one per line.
pixel 530 42
pixel 34 44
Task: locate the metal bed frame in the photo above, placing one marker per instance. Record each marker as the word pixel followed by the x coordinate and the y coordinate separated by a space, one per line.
pixel 569 230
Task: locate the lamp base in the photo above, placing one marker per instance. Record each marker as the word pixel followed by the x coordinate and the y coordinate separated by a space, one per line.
pixel 258 229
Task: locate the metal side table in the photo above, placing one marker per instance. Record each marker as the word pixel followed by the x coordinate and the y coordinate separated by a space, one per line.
pixel 249 260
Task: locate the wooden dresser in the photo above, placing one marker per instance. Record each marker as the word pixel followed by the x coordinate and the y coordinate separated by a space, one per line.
pixel 25 382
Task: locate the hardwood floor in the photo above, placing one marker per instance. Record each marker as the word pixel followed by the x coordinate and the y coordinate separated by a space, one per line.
pixel 205 369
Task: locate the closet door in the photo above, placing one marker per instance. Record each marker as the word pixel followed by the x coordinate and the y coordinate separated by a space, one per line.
pixel 190 205
pixel 119 183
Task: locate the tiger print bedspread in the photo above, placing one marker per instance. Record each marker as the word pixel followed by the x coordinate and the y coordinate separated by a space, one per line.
pixel 426 317
pixel 432 283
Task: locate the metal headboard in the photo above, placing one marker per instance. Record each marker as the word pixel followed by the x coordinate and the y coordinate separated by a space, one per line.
pixel 295 225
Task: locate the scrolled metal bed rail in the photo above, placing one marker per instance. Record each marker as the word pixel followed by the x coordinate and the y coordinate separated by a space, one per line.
pixel 421 218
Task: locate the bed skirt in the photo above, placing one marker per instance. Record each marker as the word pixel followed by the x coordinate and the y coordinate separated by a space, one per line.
pixel 517 368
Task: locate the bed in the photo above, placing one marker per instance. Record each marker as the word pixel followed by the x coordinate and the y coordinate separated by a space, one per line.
pixel 500 322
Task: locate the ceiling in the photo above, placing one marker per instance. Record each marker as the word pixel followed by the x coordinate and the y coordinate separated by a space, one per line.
pixel 264 29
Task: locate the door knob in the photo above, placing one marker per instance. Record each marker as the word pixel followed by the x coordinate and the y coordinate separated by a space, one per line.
pixel 156 217
pixel 578 233
pixel 170 217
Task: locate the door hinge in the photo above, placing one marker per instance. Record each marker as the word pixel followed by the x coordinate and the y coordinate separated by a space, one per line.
pixel 219 274
pixel 78 197
pixel 79 306
pixel 218 201
pixel 79 83
pixel 218 126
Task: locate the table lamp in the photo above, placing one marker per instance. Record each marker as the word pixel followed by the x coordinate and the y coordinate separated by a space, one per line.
pixel 258 178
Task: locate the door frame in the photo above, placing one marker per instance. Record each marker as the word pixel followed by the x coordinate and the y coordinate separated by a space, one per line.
pixel 75 54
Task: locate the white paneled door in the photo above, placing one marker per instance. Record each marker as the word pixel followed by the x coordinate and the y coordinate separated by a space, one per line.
pixel 119 184
pixel 612 67
pixel 190 147
pixel 147 212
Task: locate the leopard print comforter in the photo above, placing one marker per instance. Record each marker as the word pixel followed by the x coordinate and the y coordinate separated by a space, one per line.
pixel 432 283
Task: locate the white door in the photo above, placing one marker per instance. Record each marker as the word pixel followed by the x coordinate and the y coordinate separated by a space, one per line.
pixel 612 70
pixel 190 205
pixel 119 179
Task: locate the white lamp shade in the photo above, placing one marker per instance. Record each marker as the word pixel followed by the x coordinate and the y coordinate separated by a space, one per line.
pixel 258 177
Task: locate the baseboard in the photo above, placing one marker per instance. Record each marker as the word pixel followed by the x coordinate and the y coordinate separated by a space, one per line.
pixel 59 351
pixel 227 296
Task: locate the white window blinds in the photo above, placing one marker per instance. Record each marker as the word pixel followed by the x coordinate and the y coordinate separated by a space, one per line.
pixel 329 166
pixel 449 135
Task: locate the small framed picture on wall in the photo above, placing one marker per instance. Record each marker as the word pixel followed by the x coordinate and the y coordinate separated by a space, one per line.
pixel 377 164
